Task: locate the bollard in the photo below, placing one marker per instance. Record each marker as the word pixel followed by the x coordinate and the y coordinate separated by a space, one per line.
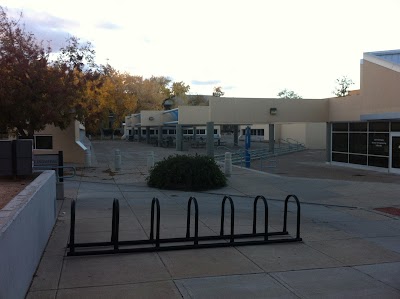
pixel 88 158
pixel 117 160
pixel 150 160
pixel 228 164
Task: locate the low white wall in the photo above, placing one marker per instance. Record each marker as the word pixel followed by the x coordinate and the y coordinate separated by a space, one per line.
pixel 26 223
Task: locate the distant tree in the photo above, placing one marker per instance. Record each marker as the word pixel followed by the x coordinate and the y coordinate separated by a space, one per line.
pixel 179 89
pixel 342 86
pixel 197 100
pixel 288 94
pixel 218 91
pixel 111 97
pixel 150 92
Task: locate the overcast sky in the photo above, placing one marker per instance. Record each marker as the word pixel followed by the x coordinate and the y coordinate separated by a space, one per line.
pixel 249 48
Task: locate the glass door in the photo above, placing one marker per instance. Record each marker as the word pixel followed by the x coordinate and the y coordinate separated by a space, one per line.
pixel 395 152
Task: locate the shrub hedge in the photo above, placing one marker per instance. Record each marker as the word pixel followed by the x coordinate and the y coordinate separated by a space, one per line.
pixel 189 173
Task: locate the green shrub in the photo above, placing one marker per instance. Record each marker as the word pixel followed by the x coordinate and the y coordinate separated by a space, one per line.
pixel 181 172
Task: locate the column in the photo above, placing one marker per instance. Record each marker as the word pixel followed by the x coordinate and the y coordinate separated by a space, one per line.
pixel 179 138
pixel 328 142
pixel 235 135
pixel 210 139
pixel 271 138
pixel 147 135
pixel 194 133
pixel 159 136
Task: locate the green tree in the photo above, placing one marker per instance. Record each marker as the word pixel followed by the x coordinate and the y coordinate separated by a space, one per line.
pixel 342 86
pixel 288 94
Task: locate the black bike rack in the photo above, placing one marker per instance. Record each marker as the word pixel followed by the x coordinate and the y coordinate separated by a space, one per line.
pixel 155 243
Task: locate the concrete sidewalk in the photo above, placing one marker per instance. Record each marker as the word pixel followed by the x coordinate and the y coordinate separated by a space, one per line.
pixel 349 249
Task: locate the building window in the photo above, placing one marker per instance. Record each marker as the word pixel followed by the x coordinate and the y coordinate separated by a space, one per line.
pixel 379 126
pixel 344 158
pixel 362 143
pixel 378 161
pixel 358 159
pixel 340 142
pixel 43 142
pixel 358 143
pixel 358 127
pixel 378 144
pixel 396 126
pixel 340 127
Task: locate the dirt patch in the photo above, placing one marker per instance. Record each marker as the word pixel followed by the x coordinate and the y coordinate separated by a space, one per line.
pixel 389 210
pixel 10 187
pixel 110 172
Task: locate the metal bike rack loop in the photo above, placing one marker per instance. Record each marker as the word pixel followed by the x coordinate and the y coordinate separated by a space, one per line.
pixel 196 219
pixel 232 238
pixel 265 216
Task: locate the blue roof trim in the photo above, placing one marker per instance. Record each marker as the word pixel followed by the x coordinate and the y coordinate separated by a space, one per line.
pixel 174 113
pixel 380 116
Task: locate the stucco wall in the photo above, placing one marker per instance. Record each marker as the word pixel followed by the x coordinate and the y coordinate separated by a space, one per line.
pixel 152 118
pixel 25 227
pixel 313 135
pixel 64 140
pixel 251 111
pixel 316 135
pixel 194 115
pixel 294 131
pixel 345 108
pixel 381 89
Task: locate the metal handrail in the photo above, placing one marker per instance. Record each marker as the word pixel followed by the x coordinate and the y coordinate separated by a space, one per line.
pixel 52 167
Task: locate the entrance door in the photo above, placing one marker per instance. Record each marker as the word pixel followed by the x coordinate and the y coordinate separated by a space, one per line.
pixel 395 152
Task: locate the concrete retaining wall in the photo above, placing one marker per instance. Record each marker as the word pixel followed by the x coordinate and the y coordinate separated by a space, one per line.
pixel 26 223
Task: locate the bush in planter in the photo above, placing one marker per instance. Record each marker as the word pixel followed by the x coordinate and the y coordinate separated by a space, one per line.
pixel 181 172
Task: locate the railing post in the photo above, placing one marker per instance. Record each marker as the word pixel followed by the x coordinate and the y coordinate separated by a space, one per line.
pixel 196 219
pixel 232 217
pixel 298 215
pixel 61 165
pixel 60 177
pixel 265 216
pixel 72 230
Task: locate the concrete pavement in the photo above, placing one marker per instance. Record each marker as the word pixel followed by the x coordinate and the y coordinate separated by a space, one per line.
pixel 349 249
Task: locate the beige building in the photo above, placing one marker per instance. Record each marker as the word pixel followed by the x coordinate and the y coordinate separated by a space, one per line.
pixel 72 141
pixel 359 130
